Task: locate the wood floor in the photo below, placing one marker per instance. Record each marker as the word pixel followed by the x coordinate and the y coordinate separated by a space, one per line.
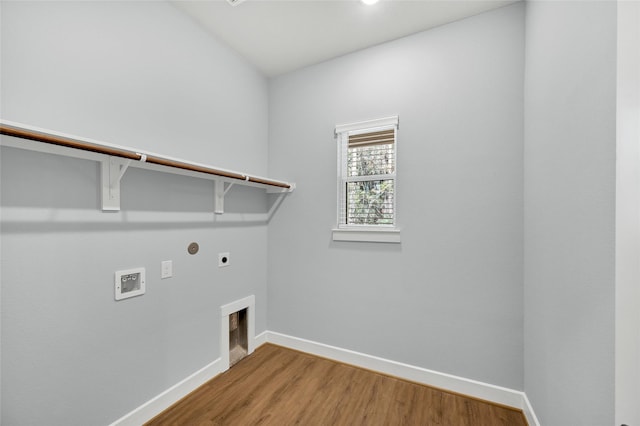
pixel 279 386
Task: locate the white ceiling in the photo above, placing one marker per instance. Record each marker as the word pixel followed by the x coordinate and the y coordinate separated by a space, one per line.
pixel 279 36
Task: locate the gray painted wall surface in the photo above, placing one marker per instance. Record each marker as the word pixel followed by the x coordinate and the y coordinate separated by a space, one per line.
pixel 136 75
pixel 628 216
pixel 570 147
pixel 139 74
pixel 449 297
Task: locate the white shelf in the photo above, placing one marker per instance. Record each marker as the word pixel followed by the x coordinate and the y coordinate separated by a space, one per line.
pixel 115 160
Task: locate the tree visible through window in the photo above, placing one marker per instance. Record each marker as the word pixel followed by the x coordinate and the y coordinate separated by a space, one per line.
pixel 367 176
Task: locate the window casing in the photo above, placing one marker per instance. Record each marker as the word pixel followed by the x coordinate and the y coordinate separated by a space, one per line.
pixel 367 184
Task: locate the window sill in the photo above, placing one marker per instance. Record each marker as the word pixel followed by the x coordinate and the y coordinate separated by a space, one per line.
pixel 367 235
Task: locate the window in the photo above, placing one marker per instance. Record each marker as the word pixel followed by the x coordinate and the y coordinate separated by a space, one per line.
pixel 367 181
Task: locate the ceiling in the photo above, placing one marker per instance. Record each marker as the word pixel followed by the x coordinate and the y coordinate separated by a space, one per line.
pixel 279 36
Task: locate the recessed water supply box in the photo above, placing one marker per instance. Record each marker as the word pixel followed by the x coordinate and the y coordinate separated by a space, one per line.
pixel 129 283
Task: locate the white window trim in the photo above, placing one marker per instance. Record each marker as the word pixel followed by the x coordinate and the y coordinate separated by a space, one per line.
pixel 366 125
pixel 363 233
pixel 367 235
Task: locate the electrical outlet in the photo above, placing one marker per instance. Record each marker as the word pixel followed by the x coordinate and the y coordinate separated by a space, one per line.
pixel 167 269
pixel 223 259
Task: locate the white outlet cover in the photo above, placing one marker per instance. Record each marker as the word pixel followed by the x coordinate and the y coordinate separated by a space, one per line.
pixel 223 259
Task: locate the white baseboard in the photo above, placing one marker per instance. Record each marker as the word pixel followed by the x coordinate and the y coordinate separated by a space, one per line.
pixel 527 409
pixel 497 394
pixel 158 404
pixel 485 391
pixel 260 339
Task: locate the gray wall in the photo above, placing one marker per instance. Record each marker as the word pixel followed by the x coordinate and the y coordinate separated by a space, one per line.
pixel 628 216
pixel 449 297
pixel 138 74
pixel 570 148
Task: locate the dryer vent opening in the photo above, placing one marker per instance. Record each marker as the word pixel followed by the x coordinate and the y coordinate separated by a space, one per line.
pixel 238 341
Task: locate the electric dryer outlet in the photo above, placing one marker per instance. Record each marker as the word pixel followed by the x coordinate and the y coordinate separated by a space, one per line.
pixel 223 259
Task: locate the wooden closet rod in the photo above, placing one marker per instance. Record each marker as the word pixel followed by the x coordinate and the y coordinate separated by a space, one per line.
pixel 117 152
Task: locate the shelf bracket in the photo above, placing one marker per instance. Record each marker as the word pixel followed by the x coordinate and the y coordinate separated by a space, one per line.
pixel 218 197
pixel 112 170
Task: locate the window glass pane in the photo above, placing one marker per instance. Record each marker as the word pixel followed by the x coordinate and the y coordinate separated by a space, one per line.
pixel 370 160
pixel 370 202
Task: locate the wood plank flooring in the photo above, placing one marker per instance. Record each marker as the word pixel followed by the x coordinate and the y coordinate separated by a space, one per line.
pixel 279 386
